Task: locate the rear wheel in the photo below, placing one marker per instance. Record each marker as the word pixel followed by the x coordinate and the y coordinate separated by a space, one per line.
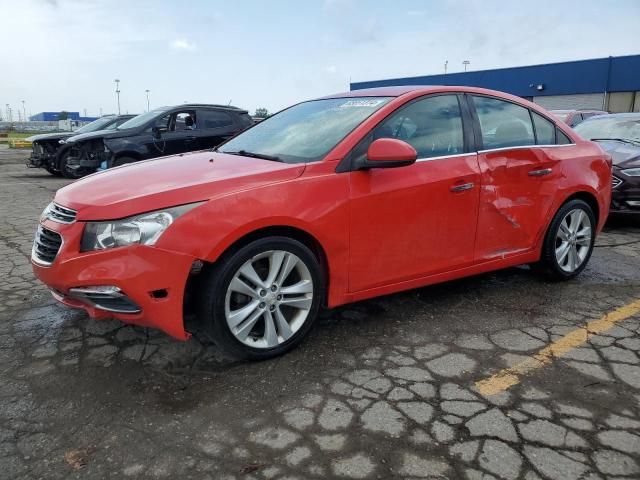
pixel 569 241
pixel 261 300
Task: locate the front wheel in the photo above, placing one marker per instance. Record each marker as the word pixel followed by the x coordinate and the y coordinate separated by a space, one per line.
pixel 261 300
pixel 569 241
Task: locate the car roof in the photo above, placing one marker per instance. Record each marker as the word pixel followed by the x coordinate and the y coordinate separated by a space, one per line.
pixel 420 90
pixel 203 105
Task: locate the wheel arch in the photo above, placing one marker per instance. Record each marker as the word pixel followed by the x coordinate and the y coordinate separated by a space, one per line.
pixel 297 233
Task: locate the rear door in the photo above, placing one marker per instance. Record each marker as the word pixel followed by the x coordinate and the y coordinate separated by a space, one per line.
pixel 409 222
pixel 214 127
pixel 519 176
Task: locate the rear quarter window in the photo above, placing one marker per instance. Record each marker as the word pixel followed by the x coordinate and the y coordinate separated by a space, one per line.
pixel 545 130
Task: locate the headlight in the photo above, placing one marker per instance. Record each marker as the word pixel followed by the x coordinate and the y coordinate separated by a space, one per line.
pixel 632 172
pixel 144 229
pixel 62 141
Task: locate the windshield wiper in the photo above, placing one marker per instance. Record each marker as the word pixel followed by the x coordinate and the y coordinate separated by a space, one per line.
pixel 245 153
pixel 623 140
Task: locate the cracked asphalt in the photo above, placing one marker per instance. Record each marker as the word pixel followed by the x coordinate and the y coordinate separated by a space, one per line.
pixel 381 389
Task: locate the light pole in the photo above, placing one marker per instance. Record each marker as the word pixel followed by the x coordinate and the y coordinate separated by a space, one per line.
pixel 147 91
pixel 446 62
pixel 465 63
pixel 118 93
pixel 7 107
pixel 24 112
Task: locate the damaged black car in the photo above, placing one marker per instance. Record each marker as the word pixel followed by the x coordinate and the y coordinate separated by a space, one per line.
pixel 46 148
pixel 157 133
pixel 619 136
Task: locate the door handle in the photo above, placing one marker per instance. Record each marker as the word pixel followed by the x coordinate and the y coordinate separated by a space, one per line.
pixel 540 173
pixel 463 187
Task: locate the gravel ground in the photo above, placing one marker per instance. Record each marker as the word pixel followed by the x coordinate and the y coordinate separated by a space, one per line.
pixel 381 389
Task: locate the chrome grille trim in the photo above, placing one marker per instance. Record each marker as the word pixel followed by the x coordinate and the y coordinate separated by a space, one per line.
pixel 60 214
pixel 46 246
pixel 615 181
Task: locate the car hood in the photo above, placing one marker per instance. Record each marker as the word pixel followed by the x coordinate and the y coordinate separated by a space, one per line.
pixel 49 136
pixel 99 134
pixel 88 136
pixel 169 181
pixel 624 155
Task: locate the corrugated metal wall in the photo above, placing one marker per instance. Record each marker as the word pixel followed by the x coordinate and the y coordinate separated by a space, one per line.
pixel 569 102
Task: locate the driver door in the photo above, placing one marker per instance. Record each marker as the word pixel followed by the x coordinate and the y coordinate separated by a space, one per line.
pixel 411 222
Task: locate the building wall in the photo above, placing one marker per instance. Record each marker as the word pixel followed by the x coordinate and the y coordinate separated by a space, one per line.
pixel 594 101
pixel 578 84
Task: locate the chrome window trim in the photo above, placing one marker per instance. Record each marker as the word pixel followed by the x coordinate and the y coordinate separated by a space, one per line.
pixel 520 147
pixel 440 157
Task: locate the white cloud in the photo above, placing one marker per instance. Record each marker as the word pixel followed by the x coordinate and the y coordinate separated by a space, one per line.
pixel 331 69
pixel 417 13
pixel 183 44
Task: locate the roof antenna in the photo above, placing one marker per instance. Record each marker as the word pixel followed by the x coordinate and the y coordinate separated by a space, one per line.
pixel 229 104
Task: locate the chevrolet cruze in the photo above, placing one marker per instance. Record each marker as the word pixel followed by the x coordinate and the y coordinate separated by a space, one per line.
pixel 328 202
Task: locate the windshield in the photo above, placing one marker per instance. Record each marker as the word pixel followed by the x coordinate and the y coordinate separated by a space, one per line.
pixel 99 124
pixel 305 132
pixel 610 127
pixel 141 119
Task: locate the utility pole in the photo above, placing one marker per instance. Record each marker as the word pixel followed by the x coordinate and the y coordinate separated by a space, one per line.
pixel 118 93
pixel 147 99
pixel 8 110
pixel 446 62
pixel 100 111
pixel 24 112
pixel 465 63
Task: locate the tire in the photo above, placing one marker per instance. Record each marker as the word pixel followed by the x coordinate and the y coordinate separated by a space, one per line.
pixel 246 319
pixel 118 162
pixel 55 173
pixel 565 259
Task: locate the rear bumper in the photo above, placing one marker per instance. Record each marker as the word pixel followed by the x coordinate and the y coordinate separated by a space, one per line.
pixel 152 278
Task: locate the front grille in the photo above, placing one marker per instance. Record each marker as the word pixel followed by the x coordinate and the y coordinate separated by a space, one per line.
pixel 61 214
pixel 615 181
pixel 45 246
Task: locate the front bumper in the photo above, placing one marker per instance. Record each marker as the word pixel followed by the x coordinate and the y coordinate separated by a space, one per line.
pixel 39 160
pixel 151 278
pixel 625 196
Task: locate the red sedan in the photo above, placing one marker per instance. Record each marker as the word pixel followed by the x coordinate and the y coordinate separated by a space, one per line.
pixel 330 201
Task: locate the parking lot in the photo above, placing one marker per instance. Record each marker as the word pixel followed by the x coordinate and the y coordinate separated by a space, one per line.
pixel 503 375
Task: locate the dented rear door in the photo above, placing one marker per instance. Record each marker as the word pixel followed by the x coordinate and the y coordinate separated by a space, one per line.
pixel 517 192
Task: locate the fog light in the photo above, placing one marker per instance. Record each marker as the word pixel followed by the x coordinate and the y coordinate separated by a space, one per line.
pixel 105 297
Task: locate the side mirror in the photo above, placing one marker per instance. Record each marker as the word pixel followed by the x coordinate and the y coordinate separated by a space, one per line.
pixel 155 131
pixel 389 153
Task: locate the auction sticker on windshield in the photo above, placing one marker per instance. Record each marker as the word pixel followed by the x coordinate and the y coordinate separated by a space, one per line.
pixel 371 103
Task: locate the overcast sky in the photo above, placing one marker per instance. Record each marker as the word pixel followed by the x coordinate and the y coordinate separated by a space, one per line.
pixel 65 54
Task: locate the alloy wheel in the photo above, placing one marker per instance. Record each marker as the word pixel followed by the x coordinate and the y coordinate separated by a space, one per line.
pixel 269 299
pixel 573 240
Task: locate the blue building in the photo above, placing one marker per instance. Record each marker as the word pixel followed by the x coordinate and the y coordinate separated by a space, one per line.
pixel 611 84
pixel 53 116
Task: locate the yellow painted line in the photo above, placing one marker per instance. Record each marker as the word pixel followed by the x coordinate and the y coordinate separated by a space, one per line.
pixel 509 377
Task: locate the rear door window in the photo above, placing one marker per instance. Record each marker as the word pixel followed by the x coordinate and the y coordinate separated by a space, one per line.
pixel 503 124
pixel 545 130
pixel 215 119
